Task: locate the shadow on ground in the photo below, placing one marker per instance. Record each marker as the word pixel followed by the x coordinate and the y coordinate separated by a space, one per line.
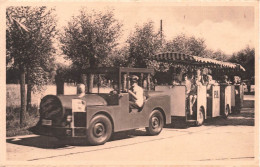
pixel 54 143
pixel 245 118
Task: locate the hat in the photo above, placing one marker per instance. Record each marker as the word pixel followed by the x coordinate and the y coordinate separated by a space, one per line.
pixel 134 78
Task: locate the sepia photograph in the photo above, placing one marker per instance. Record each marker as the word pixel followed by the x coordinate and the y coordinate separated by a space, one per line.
pixel 127 83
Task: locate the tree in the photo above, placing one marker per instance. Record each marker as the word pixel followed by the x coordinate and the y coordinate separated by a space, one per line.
pixel 119 58
pixel 217 55
pixel 186 45
pixel 29 42
pixel 89 38
pixel 142 44
pixel 246 58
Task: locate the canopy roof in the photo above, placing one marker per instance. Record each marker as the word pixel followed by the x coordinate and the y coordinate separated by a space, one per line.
pixel 196 60
pixel 116 70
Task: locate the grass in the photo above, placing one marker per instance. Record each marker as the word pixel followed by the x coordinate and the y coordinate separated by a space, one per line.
pixel 13 127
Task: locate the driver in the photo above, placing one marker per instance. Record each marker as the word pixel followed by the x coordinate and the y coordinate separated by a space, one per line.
pixel 136 94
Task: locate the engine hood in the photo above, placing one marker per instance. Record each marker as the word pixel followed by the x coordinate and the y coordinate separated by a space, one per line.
pixel 90 100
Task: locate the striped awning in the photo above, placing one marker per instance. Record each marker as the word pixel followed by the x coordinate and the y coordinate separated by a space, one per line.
pixel 184 58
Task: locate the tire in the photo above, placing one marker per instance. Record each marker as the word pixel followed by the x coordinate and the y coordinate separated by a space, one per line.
pixel 201 117
pixel 99 131
pixel 226 112
pixel 156 123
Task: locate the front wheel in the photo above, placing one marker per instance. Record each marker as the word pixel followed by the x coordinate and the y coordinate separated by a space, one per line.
pixel 156 123
pixel 200 117
pixel 100 130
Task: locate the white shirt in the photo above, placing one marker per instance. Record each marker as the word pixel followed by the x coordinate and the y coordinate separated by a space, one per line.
pixel 139 93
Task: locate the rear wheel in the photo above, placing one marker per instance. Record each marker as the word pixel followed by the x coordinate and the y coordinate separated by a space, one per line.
pixel 200 117
pixel 156 123
pixel 100 130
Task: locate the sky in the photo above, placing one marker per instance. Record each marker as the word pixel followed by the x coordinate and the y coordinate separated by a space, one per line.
pixel 228 28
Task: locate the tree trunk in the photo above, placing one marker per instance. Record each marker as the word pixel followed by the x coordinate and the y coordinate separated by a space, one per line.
pixel 29 94
pixel 59 85
pixel 90 83
pixel 22 91
pixel 83 80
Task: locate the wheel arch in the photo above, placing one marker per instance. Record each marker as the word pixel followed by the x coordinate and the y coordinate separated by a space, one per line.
pixel 162 111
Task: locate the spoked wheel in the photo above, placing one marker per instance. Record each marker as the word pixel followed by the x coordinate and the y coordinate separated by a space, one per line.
pixel 100 130
pixel 156 123
pixel 227 111
pixel 200 117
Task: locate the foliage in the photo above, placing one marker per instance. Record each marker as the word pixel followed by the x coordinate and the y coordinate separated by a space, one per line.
pixel 119 57
pixel 186 45
pixel 142 44
pixel 90 37
pixel 29 41
pixel 246 58
pixel 217 55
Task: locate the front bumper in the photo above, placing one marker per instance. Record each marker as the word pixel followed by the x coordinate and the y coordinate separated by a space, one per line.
pixel 58 131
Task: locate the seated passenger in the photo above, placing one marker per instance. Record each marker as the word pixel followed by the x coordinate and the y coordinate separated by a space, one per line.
pixel 187 83
pixel 115 88
pixel 136 94
pixel 209 84
pixel 198 78
pixel 237 80
pixel 190 92
pixel 225 80
pixel 175 82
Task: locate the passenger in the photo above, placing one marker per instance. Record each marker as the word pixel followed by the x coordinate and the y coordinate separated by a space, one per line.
pixel 81 90
pixel 225 80
pixel 210 81
pixel 237 80
pixel 190 92
pixel 175 82
pixel 187 83
pixel 198 78
pixel 136 94
pixel 115 88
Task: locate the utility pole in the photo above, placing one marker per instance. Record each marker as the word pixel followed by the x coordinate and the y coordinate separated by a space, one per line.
pixel 161 31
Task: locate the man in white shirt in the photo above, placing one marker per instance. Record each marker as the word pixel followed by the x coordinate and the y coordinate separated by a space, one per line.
pixel 136 94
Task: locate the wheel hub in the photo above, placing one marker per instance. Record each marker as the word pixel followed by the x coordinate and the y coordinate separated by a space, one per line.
pixel 155 122
pixel 99 129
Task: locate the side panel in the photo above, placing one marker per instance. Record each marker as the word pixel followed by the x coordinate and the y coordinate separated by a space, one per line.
pixel 228 96
pixel 215 101
pixel 233 96
pixel 163 102
pixel 202 99
pixel 177 102
pixel 125 119
pixel 241 88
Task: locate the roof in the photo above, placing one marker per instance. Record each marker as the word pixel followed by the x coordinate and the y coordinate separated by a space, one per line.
pixel 102 70
pixel 189 59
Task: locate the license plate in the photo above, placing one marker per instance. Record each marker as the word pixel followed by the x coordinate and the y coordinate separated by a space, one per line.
pixel 46 122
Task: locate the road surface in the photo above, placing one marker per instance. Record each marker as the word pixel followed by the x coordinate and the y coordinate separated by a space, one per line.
pixel 218 140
